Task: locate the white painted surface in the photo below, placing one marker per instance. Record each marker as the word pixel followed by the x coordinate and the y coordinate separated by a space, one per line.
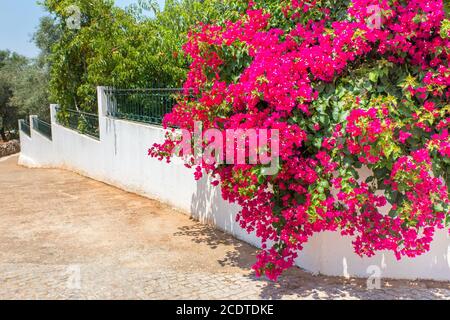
pixel 120 158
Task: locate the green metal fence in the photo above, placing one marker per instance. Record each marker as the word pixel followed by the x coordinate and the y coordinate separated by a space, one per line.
pixel 25 127
pixel 83 122
pixel 143 105
pixel 42 127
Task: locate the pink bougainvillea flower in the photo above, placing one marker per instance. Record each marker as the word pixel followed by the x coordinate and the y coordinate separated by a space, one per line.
pixel 322 80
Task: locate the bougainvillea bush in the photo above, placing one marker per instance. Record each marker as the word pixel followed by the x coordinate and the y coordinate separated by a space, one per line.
pixel 349 85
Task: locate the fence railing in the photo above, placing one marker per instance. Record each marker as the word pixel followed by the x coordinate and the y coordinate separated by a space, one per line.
pixel 83 122
pixel 143 105
pixel 25 127
pixel 42 127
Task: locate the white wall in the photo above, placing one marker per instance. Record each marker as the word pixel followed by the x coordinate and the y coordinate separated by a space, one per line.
pixel 120 158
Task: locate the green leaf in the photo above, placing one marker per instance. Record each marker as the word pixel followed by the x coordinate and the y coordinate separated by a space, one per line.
pixel 373 76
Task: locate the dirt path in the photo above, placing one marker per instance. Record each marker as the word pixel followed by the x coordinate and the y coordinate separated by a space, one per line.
pixel 66 236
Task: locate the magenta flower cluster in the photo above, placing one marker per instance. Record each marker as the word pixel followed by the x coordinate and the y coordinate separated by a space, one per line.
pixel 263 71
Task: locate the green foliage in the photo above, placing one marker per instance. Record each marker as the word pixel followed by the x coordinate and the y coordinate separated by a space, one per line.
pixel 47 34
pixel 24 85
pixel 122 48
pixel 11 65
pixel 445 29
pixel 337 10
pixel 30 91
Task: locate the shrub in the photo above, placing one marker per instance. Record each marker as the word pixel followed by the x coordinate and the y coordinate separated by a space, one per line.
pixel 349 84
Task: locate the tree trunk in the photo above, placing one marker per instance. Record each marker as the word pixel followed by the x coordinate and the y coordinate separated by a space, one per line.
pixel 3 134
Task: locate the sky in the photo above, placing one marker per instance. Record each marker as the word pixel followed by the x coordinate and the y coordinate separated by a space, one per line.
pixel 19 20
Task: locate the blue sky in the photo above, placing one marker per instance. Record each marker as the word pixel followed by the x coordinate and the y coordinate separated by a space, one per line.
pixel 18 21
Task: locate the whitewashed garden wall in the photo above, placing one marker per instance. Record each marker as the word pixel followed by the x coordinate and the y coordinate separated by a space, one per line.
pixel 119 157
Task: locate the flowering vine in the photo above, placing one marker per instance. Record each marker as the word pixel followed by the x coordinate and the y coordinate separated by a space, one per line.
pixel 345 94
